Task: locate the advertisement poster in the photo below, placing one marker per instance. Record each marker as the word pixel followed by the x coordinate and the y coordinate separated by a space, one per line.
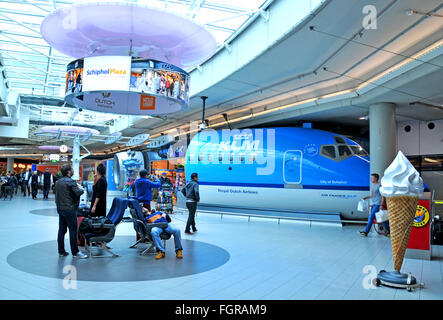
pixel 148 76
pixel 74 77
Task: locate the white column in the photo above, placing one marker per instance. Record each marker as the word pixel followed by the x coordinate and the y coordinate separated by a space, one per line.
pixel 10 165
pixel 382 136
pixel 76 158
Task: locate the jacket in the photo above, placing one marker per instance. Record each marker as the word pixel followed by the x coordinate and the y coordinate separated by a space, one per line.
pixel 158 218
pixel 67 194
pixel 191 191
pixel 143 189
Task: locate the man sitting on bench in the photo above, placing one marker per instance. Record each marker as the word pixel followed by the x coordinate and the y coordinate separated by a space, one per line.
pixel 156 217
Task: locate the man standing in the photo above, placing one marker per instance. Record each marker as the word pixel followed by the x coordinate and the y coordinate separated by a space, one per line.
pixel 67 198
pixel 143 188
pixel 190 191
pixel 34 181
pixel 47 182
pixel 26 177
pixel 377 200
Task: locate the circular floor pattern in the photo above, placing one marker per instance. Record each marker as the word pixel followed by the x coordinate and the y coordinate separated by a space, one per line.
pixel 45 212
pixel 42 259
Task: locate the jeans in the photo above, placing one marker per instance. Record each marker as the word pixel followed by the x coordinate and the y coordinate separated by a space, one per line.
pixel 67 220
pixel 375 209
pixel 46 188
pixel 156 231
pixel 192 207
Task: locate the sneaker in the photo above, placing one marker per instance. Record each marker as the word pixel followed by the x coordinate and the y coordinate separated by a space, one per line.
pixel 188 232
pixel 64 254
pixel 364 234
pixel 160 255
pixel 195 231
pixel 80 255
pixel 179 254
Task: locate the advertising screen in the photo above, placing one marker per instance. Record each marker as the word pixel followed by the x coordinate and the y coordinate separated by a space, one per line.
pixel 159 78
pixel 106 73
pixel 74 77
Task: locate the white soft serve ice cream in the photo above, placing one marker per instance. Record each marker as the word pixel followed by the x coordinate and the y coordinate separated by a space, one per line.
pixel 401 179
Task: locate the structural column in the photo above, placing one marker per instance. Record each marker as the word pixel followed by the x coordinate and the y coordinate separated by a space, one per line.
pixel 10 165
pixel 382 136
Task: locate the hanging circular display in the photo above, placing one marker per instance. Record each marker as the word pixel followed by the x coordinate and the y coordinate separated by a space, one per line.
pixel 68 130
pixel 62 148
pixel 127 85
pixel 103 29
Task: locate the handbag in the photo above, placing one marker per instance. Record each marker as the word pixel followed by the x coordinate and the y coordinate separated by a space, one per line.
pixel 363 205
pixel 381 216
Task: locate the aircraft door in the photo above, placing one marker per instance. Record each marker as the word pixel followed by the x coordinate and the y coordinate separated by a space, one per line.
pixel 292 165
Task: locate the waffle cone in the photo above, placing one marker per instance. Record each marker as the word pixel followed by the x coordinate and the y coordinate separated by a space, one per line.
pixel 401 212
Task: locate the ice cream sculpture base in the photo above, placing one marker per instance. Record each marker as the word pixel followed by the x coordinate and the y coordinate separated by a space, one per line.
pixel 401 185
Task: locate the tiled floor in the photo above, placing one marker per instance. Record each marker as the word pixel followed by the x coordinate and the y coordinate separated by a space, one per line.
pixel 267 261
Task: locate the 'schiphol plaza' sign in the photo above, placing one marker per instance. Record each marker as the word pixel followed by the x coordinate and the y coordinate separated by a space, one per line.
pixel 127 85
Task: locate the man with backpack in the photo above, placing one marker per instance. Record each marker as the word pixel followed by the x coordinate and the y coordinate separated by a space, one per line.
pixel 190 191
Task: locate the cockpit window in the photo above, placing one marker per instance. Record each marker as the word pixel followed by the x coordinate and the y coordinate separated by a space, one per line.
pixel 328 152
pixel 339 140
pixel 341 150
pixel 344 151
pixel 359 151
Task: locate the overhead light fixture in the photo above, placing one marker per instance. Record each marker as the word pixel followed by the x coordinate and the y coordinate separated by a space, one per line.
pixel 431 160
pixel 364 118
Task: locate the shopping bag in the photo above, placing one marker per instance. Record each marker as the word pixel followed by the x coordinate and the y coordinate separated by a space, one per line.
pixel 362 205
pixel 381 216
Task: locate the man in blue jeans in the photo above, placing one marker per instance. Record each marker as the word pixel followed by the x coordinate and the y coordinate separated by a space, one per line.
pixel 377 201
pixel 157 217
pixel 67 198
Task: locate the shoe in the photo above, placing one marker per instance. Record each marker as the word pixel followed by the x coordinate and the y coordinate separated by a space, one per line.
pixel 179 254
pixel 194 231
pixel 364 234
pixel 160 255
pixel 388 235
pixel 80 255
pixel 64 254
pixel 188 232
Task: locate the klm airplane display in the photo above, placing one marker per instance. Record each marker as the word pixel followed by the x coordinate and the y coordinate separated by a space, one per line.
pixel 292 169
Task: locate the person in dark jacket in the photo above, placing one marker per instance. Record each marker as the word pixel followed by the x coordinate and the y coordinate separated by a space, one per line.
pixel 190 191
pixel 158 217
pixel 99 190
pixel 47 182
pixel 67 198
pixel 143 188
pixel 34 181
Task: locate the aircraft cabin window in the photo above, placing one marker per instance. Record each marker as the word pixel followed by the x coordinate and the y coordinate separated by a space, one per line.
pixel 328 152
pixel 344 152
pixel 339 140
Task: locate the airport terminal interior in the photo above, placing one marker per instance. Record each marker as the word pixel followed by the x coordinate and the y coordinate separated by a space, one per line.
pixel 221 150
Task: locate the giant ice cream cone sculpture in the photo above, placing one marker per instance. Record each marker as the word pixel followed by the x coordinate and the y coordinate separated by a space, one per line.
pixel 401 185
